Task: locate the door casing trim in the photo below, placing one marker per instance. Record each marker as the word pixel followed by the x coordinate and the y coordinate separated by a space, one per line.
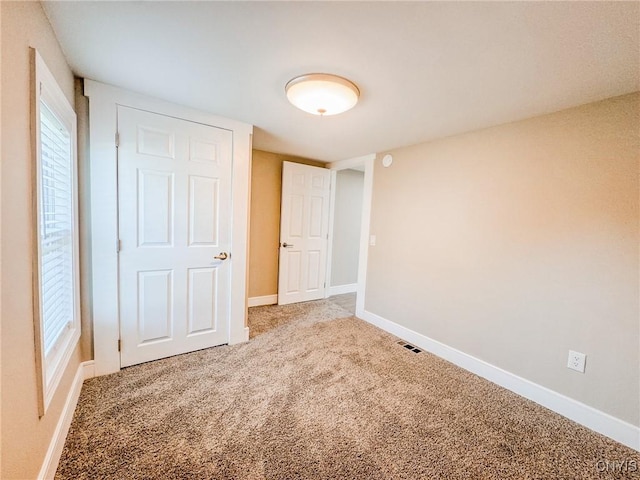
pixel 103 102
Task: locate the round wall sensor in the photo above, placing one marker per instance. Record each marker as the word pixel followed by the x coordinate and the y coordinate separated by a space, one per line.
pixel 387 160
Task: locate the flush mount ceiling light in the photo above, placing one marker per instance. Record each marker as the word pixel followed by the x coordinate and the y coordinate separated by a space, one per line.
pixel 322 93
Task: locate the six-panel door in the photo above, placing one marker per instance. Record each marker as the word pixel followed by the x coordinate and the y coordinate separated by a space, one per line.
pixel 174 194
pixel 304 225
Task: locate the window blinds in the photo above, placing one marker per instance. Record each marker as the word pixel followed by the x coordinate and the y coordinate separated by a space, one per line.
pixel 56 229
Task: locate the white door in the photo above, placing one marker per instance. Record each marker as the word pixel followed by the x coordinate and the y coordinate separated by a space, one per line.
pixel 174 202
pixel 304 227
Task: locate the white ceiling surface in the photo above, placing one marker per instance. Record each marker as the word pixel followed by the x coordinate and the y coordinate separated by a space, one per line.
pixel 425 69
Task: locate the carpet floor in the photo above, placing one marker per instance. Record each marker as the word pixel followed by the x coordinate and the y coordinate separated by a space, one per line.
pixel 320 394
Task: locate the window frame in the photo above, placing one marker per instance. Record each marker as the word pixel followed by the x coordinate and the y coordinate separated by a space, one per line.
pixel 50 368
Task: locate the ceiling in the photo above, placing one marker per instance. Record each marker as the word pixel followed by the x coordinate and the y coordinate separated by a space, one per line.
pixel 425 69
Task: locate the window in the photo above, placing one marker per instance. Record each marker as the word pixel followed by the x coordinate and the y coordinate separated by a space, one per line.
pixel 57 312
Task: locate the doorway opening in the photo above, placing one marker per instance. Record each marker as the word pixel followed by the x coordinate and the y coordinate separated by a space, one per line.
pixel 323 252
pixel 352 182
pixel 346 225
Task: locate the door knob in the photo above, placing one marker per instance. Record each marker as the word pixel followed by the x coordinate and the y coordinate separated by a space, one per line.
pixel 287 245
pixel 222 256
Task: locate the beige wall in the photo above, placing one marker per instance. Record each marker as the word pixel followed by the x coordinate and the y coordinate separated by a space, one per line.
pixel 347 221
pixel 0 248
pixel 25 437
pixel 84 211
pixel 266 186
pixel 517 243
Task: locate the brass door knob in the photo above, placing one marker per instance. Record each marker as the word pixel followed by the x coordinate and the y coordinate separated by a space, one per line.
pixel 222 256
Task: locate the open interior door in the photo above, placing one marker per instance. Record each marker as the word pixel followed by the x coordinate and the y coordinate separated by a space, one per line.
pixel 304 227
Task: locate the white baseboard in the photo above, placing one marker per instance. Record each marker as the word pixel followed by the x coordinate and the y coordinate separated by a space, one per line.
pixel 594 419
pixel 88 369
pixel 52 458
pixel 265 300
pixel 342 289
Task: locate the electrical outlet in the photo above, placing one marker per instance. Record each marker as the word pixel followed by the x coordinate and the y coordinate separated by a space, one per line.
pixel 576 361
pixel 372 240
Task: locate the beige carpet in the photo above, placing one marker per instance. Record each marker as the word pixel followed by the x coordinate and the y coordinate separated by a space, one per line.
pixel 317 396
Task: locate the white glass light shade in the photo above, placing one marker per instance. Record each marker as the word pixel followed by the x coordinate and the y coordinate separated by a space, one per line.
pixel 322 93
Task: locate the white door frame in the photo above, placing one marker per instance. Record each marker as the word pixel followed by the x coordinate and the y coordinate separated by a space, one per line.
pixel 103 102
pixel 368 162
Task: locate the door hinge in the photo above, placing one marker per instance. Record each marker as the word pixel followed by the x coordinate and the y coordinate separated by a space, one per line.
pixel 118 245
pixel 119 345
pixel 117 139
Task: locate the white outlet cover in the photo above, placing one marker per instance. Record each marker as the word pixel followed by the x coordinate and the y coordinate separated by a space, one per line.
pixel 372 240
pixel 576 361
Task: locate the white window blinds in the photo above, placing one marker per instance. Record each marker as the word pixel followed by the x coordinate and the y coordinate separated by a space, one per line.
pixel 56 229
pixel 56 286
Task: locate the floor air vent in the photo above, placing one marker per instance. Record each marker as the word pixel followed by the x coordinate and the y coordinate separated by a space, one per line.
pixel 408 346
